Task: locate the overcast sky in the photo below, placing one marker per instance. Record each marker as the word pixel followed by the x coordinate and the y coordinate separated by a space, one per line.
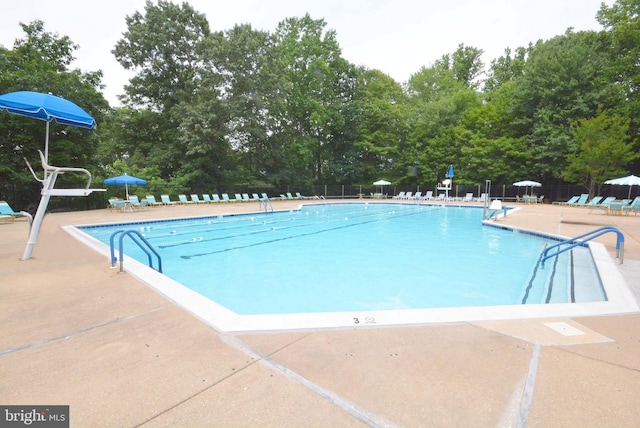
pixel 395 36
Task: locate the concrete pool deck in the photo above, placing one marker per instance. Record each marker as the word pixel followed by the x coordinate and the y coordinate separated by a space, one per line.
pixel 75 332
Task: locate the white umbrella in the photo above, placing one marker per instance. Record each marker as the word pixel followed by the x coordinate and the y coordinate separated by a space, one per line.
pixel 527 183
pixel 381 183
pixel 630 180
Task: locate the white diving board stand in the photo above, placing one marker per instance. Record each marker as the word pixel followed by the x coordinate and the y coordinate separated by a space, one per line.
pixel 48 189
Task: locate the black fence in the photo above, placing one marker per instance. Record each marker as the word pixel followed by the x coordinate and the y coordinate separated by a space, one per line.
pixel 27 196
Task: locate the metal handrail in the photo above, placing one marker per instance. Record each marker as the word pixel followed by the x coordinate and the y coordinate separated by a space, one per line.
pixel 574 242
pixel 130 233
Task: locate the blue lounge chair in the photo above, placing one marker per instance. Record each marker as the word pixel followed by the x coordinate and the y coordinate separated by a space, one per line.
pixel 571 201
pixel 166 200
pixel 238 197
pixel 206 198
pixel 245 197
pixel 195 199
pixel 135 203
pixel 225 197
pixel 595 201
pixel 182 199
pixel 6 210
pixel 216 198
pixel 582 200
pixel 633 207
pixel 151 201
pixel 604 205
pixel 117 205
pixel 265 197
pixel 255 197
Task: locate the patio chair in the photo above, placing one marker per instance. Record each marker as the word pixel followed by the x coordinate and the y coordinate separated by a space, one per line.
pixel 633 207
pixel 206 198
pixel 182 199
pixel 595 201
pixel 255 197
pixel 582 201
pixel 215 197
pixel 117 205
pixel 468 197
pixel 195 199
pixel 225 197
pixel 136 204
pixel 238 197
pixel 6 210
pixel 166 200
pixel 399 196
pixel 604 205
pixel 151 201
pixel 245 197
pixel 570 201
pixel 429 195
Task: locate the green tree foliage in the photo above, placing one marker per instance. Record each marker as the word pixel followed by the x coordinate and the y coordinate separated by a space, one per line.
pixel 208 110
pixel 564 80
pixel 603 152
pixel 40 62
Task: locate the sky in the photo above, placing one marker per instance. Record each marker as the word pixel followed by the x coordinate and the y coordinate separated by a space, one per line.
pixel 397 37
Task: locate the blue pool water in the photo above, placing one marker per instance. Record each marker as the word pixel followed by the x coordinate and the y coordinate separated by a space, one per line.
pixel 345 257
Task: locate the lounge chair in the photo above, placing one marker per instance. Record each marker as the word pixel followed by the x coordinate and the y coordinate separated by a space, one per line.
pixel 166 200
pixel 245 197
pixel 595 201
pixel 225 197
pixel 195 199
pixel 417 196
pixel 182 199
pixel 429 195
pixel 633 207
pixel 117 205
pixel 540 200
pixel 399 196
pixel 151 201
pixel 265 197
pixel 255 197
pixel 216 198
pixel 206 198
pixel 408 195
pixel 289 195
pixel 482 198
pixel 582 201
pixel 604 205
pixel 468 197
pixel 238 197
pixel 572 200
pixel 299 196
pixel 6 210
pixel 136 204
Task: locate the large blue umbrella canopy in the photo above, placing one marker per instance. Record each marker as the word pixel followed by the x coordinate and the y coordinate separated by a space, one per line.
pixel 125 180
pixel 46 107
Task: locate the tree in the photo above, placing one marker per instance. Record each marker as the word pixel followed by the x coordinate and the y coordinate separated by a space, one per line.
pixel 604 150
pixel 39 62
pixel 318 85
pixel 564 80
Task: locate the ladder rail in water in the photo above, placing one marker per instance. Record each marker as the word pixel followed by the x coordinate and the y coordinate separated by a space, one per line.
pixel 134 235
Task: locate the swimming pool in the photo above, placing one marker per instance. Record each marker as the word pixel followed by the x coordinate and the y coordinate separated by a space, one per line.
pixel 375 260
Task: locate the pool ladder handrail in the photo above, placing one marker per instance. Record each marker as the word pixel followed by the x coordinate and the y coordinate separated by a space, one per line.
pixel 130 233
pixel 575 242
pixel 266 203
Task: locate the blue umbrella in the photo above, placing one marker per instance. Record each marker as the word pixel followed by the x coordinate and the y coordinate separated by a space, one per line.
pixel 125 180
pixel 46 107
pixel 450 172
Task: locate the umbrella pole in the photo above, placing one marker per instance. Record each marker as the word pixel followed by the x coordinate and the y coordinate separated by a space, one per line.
pixel 46 149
